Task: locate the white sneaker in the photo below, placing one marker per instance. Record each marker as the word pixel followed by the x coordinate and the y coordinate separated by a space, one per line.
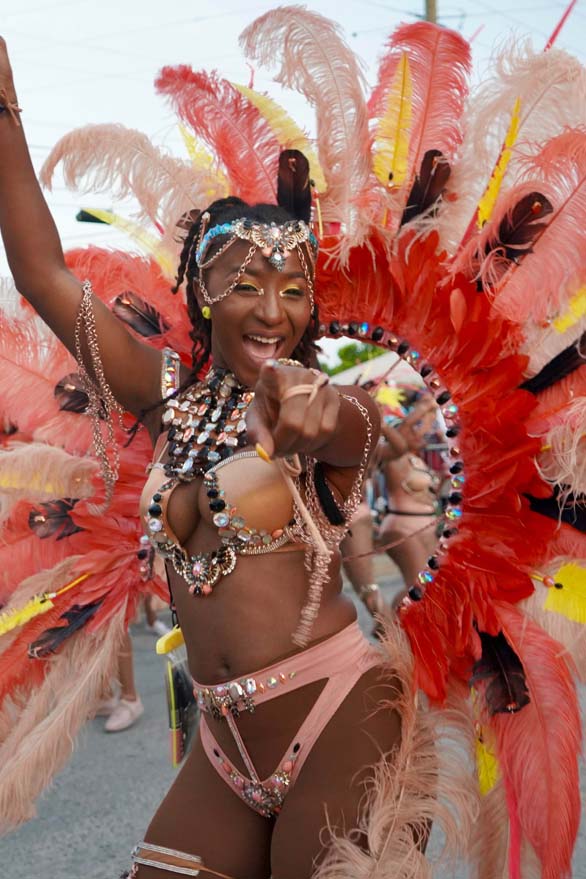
pixel 158 628
pixel 106 707
pixel 124 715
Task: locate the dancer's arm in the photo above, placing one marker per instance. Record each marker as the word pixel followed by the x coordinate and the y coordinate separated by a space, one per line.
pixel 37 264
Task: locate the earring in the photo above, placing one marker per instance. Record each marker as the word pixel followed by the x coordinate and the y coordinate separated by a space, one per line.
pixel 206 312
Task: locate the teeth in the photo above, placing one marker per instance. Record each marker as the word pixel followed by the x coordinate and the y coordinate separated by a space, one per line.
pixel 265 340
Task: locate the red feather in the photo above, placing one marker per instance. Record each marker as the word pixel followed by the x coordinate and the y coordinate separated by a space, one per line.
pixel 234 129
pixel 538 748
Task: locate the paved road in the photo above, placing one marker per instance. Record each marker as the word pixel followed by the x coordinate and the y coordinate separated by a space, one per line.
pixel 101 803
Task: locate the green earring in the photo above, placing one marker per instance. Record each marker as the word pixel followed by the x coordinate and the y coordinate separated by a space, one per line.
pixel 206 312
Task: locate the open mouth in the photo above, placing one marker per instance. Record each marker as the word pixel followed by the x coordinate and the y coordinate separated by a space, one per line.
pixel 261 348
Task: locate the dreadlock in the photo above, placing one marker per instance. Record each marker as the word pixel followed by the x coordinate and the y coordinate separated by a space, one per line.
pixel 225 210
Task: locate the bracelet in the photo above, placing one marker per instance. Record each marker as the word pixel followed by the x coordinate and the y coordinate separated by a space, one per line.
pixel 367 590
pixel 10 107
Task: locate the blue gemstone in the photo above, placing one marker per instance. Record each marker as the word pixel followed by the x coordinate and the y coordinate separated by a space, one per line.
pixel 414 355
pixel 454 513
pixel 364 328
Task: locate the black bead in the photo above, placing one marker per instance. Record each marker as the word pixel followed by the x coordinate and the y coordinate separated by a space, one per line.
pixel 197 590
pixel 425 370
pixel 353 328
pixel 403 348
pixel 224 452
pixel 377 334
pixel 171 433
pixel 217 505
pixel 296 747
pixel 415 593
pixel 456 468
pixel 558 585
pixel 220 425
pixel 452 432
pixel 155 510
pixel 209 441
pixel 455 498
pixel 449 532
pixel 202 454
pixel 142 554
pixel 157 497
pixel 201 424
pixel 433 563
pixel 213 492
pixel 335 328
pixel 242 439
pixel 247 223
pixel 444 397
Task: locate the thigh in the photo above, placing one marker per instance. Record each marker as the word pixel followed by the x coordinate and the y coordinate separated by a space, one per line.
pixel 334 777
pixel 202 816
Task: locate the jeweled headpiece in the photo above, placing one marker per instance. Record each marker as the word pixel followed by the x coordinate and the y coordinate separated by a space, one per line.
pixel 275 241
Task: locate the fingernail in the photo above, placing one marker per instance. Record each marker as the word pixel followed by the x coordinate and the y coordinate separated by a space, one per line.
pixel 262 453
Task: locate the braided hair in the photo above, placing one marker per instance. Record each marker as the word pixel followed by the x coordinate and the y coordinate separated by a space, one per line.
pixel 225 210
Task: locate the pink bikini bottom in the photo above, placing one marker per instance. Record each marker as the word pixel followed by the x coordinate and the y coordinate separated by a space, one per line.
pixel 341 660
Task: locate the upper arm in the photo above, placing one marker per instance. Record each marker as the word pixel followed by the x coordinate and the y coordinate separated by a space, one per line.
pixel 131 368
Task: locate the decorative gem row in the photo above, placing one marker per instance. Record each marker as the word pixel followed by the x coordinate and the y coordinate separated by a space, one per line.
pixel 236 696
pixel 453 511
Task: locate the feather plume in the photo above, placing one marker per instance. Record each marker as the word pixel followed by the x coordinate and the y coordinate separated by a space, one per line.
pixel 42 736
pixel 315 60
pixel 538 747
pixel 139 314
pixel 39 472
pixel 439 64
pixel 294 189
pixel 542 344
pixel 538 286
pixel 229 125
pixel 124 163
pixel 411 786
pixel 488 200
pixel 391 139
pixel 551 88
pixel 152 246
pixel 287 132
pixel 563 460
pixel 202 158
pixel 506 689
pixel 562 613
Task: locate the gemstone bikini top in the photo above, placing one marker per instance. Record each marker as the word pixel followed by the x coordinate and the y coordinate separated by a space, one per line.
pixel 214 411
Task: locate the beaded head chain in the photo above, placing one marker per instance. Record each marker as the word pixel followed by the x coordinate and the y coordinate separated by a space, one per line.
pixel 275 241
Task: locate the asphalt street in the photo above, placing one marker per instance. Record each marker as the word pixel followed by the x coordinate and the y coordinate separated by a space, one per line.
pixel 100 805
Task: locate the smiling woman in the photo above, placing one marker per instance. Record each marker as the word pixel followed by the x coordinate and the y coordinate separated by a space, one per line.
pixel 258 461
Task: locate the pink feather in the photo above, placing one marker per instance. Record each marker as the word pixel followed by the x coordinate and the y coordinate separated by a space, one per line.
pixel 315 60
pixel 538 748
pixel 439 64
pixel 538 288
pixel 230 125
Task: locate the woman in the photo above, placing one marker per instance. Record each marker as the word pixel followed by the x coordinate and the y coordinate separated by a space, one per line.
pixel 245 579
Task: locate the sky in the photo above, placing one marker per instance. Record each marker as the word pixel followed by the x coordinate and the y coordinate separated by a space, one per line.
pixel 93 61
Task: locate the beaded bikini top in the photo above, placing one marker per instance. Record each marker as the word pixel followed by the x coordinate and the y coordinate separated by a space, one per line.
pixel 205 431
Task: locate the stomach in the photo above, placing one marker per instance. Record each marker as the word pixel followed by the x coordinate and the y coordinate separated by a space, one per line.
pixel 248 621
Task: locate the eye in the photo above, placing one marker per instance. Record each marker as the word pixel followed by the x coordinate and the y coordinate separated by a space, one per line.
pixel 248 288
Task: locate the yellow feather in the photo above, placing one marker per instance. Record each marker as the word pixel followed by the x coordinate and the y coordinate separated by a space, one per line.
pixel 488 200
pixel 570 601
pixel 576 310
pixel 486 767
pixel 391 141
pixel 12 619
pixel 202 158
pixel 148 242
pixel 286 130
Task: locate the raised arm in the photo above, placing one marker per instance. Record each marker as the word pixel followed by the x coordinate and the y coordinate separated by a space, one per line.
pixel 36 261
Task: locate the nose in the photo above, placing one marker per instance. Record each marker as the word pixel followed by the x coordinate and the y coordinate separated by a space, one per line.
pixel 270 308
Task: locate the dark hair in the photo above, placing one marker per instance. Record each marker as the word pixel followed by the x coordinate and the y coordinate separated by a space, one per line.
pixel 224 211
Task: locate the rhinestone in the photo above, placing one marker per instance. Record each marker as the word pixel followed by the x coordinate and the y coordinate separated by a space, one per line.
pixel 231 441
pixel 220 520
pixel 292 674
pixel 235 414
pixel 250 686
pixel 221 438
pixel 217 505
pixel 183 406
pixel 155 510
pixel 168 416
pixel 214 457
pixel 235 691
pixel 143 540
pixel 277 533
pixel 272 683
pixel 155 525
pixel 267 539
pixel 202 438
pixel 238 522
pixel 187 465
pixel 282 678
pixel 425 577
pixel 226 532
pixel 243 535
pixel 453 513
pixel 187 434
pixel 216 413
pixel 241 426
pixel 202 409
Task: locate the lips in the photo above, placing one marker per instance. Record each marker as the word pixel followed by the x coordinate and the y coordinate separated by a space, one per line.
pixel 262 347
